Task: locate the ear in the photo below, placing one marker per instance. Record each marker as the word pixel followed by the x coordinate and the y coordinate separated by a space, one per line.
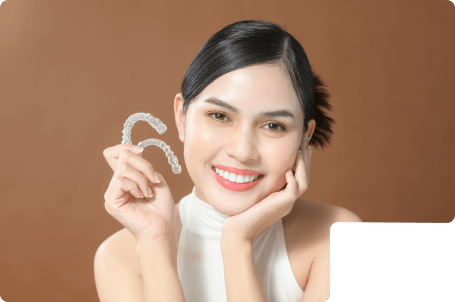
pixel 311 127
pixel 179 116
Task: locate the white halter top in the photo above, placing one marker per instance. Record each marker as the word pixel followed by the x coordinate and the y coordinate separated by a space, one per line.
pixel 200 264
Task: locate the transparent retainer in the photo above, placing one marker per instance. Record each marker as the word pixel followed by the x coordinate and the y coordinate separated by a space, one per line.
pixel 158 126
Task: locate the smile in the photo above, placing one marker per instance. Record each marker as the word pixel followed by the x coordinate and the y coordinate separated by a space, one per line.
pixel 236 182
pixel 238 178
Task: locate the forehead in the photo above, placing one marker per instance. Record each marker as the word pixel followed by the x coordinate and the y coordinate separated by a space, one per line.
pixel 254 88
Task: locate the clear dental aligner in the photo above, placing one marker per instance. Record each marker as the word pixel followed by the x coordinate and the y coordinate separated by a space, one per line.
pixel 158 126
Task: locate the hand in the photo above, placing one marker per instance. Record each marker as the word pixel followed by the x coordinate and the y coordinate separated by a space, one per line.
pixel 148 219
pixel 247 225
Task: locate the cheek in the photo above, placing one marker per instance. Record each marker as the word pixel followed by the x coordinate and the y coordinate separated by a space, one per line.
pixel 200 143
pixel 279 159
pixel 201 132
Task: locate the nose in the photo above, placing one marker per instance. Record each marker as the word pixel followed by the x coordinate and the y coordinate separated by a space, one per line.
pixel 242 145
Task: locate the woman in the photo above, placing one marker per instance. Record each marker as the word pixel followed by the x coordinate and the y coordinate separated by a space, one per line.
pixel 248 111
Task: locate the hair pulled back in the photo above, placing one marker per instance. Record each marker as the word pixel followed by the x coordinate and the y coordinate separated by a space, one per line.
pixel 250 42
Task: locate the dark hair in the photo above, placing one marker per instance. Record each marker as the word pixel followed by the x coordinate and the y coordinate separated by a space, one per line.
pixel 250 42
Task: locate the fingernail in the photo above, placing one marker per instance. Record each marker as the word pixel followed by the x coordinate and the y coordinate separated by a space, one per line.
pixel 158 180
pixel 150 192
pixel 138 149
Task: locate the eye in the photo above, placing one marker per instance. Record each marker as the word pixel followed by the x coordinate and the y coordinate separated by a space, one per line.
pixel 217 114
pixel 283 128
pixel 214 114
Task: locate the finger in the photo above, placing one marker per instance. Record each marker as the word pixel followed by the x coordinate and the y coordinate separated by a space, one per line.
pixel 306 151
pixel 121 186
pixel 307 158
pixel 128 171
pixel 112 153
pixel 140 164
pixel 292 186
pixel 301 174
pixel 160 178
pixel 131 147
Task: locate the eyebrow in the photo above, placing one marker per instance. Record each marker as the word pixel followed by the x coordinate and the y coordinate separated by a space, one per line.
pixel 278 113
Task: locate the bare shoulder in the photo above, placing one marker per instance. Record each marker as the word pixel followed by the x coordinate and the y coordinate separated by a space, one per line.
pixel 117 271
pixel 310 221
pixel 308 241
pixel 123 241
pixel 308 211
pixel 121 245
pixel 345 215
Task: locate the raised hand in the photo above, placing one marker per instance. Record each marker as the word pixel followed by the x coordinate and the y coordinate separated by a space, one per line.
pixel 149 219
pixel 247 225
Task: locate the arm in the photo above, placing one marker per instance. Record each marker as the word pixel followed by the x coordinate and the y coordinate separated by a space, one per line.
pixel 159 272
pixel 117 277
pixel 318 286
pixel 241 278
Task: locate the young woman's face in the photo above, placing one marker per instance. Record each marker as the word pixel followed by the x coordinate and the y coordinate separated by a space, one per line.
pixel 225 127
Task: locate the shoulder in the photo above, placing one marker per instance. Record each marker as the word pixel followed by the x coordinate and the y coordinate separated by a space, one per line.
pixel 120 246
pixel 120 242
pixel 320 214
pixel 325 216
pixel 317 218
pixel 345 215
pixel 117 271
pixel 310 222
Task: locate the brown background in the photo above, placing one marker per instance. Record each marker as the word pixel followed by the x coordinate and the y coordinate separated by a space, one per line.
pixel 72 72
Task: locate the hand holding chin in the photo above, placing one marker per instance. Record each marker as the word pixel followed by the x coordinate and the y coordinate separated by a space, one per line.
pixel 246 226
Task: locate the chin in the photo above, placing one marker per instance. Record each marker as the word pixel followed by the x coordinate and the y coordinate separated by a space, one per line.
pixel 230 209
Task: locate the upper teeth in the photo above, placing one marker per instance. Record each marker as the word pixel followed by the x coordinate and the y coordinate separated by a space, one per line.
pixel 236 178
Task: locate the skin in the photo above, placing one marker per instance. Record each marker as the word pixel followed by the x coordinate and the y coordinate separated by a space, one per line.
pixel 239 140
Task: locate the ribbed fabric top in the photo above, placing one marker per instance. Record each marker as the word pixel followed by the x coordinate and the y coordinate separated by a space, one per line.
pixel 200 263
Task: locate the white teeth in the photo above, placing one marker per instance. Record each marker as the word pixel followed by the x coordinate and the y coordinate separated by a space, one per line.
pixel 232 177
pixel 235 177
pixel 239 179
